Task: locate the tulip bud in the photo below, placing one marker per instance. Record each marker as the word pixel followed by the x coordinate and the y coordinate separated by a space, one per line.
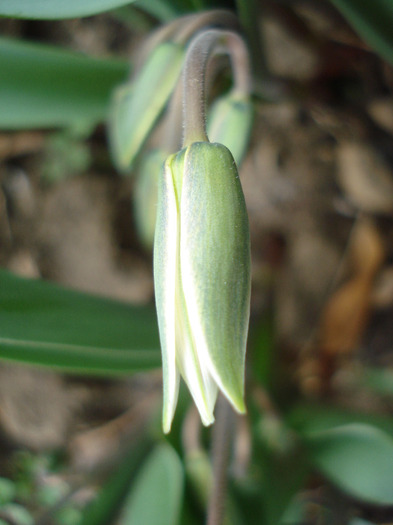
pixel 202 278
pixel 230 121
pixel 136 106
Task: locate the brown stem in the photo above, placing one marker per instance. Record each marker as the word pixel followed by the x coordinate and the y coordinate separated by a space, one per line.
pixel 222 442
pixel 218 18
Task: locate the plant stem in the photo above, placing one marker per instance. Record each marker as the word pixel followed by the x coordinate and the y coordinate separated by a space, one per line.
pixel 222 441
pixel 201 49
pixel 239 61
pixel 249 11
pixel 216 18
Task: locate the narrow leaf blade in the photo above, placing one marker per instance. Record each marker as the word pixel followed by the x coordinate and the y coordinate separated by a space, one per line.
pixel 57 9
pixel 157 492
pixel 44 324
pixel 43 87
pixel 373 21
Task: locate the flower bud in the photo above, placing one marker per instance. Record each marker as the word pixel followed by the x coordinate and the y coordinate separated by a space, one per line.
pixel 230 121
pixel 202 278
pixel 145 195
pixel 137 105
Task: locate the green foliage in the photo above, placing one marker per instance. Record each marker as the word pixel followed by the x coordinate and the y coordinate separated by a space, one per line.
pixel 157 492
pixel 66 154
pixel 45 87
pixel 45 324
pixel 358 458
pixel 373 21
pixel 107 503
pixel 7 491
pixel 48 325
pixel 56 9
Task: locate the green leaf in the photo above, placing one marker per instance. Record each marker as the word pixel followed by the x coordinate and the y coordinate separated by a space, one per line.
pixel 161 9
pixel 306 418
pixel 44 324
pixel 357 458
pixel 7 490
pixel 277 451
pixel 378 379
pixel 157 492
pixel 373 21
pixel 45 87
pixel 102 509
pixel 56 9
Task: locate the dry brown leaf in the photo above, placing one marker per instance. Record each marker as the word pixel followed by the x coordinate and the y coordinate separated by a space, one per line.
pixel 345 316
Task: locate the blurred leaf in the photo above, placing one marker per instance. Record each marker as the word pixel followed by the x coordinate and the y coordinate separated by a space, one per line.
pixel 42 86
pixel 373 21
pixel 65 155
pixel 56 9
pixel 163 10
pixel 261 343
pixel 69 516
pixel 156 495
pixel 44 324
pixel 7 490
pixel 15 513
pixel 295 513
pixel 108 501
pixel 379 379
pixel 279 463
pixel 357 458
pixel 285 476
pixel 309 418
pixel 167 10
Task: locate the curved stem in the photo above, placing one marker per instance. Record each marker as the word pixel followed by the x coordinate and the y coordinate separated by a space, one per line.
pixel 194 77
pixel 182 29
pixel 194 86
pixel 219 18
pixel 239 61
pixel 173 121
pixel 249 14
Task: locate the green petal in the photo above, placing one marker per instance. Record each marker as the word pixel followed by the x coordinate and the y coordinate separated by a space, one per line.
pixel 165 248
pixel 198 378
pixel 215 257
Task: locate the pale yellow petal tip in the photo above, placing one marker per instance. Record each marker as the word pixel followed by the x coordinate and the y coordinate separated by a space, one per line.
pixel 168 414
pixel 166 428
pixel 207 421
pixel 166 424
pixel 238 404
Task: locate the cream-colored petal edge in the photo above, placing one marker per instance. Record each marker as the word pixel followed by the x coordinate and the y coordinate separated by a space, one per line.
pixel 165 248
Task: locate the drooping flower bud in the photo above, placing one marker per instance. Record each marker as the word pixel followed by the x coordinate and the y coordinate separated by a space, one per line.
pixel 202 278
pixel 229 122
pixel 145 195
pixel 137 105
